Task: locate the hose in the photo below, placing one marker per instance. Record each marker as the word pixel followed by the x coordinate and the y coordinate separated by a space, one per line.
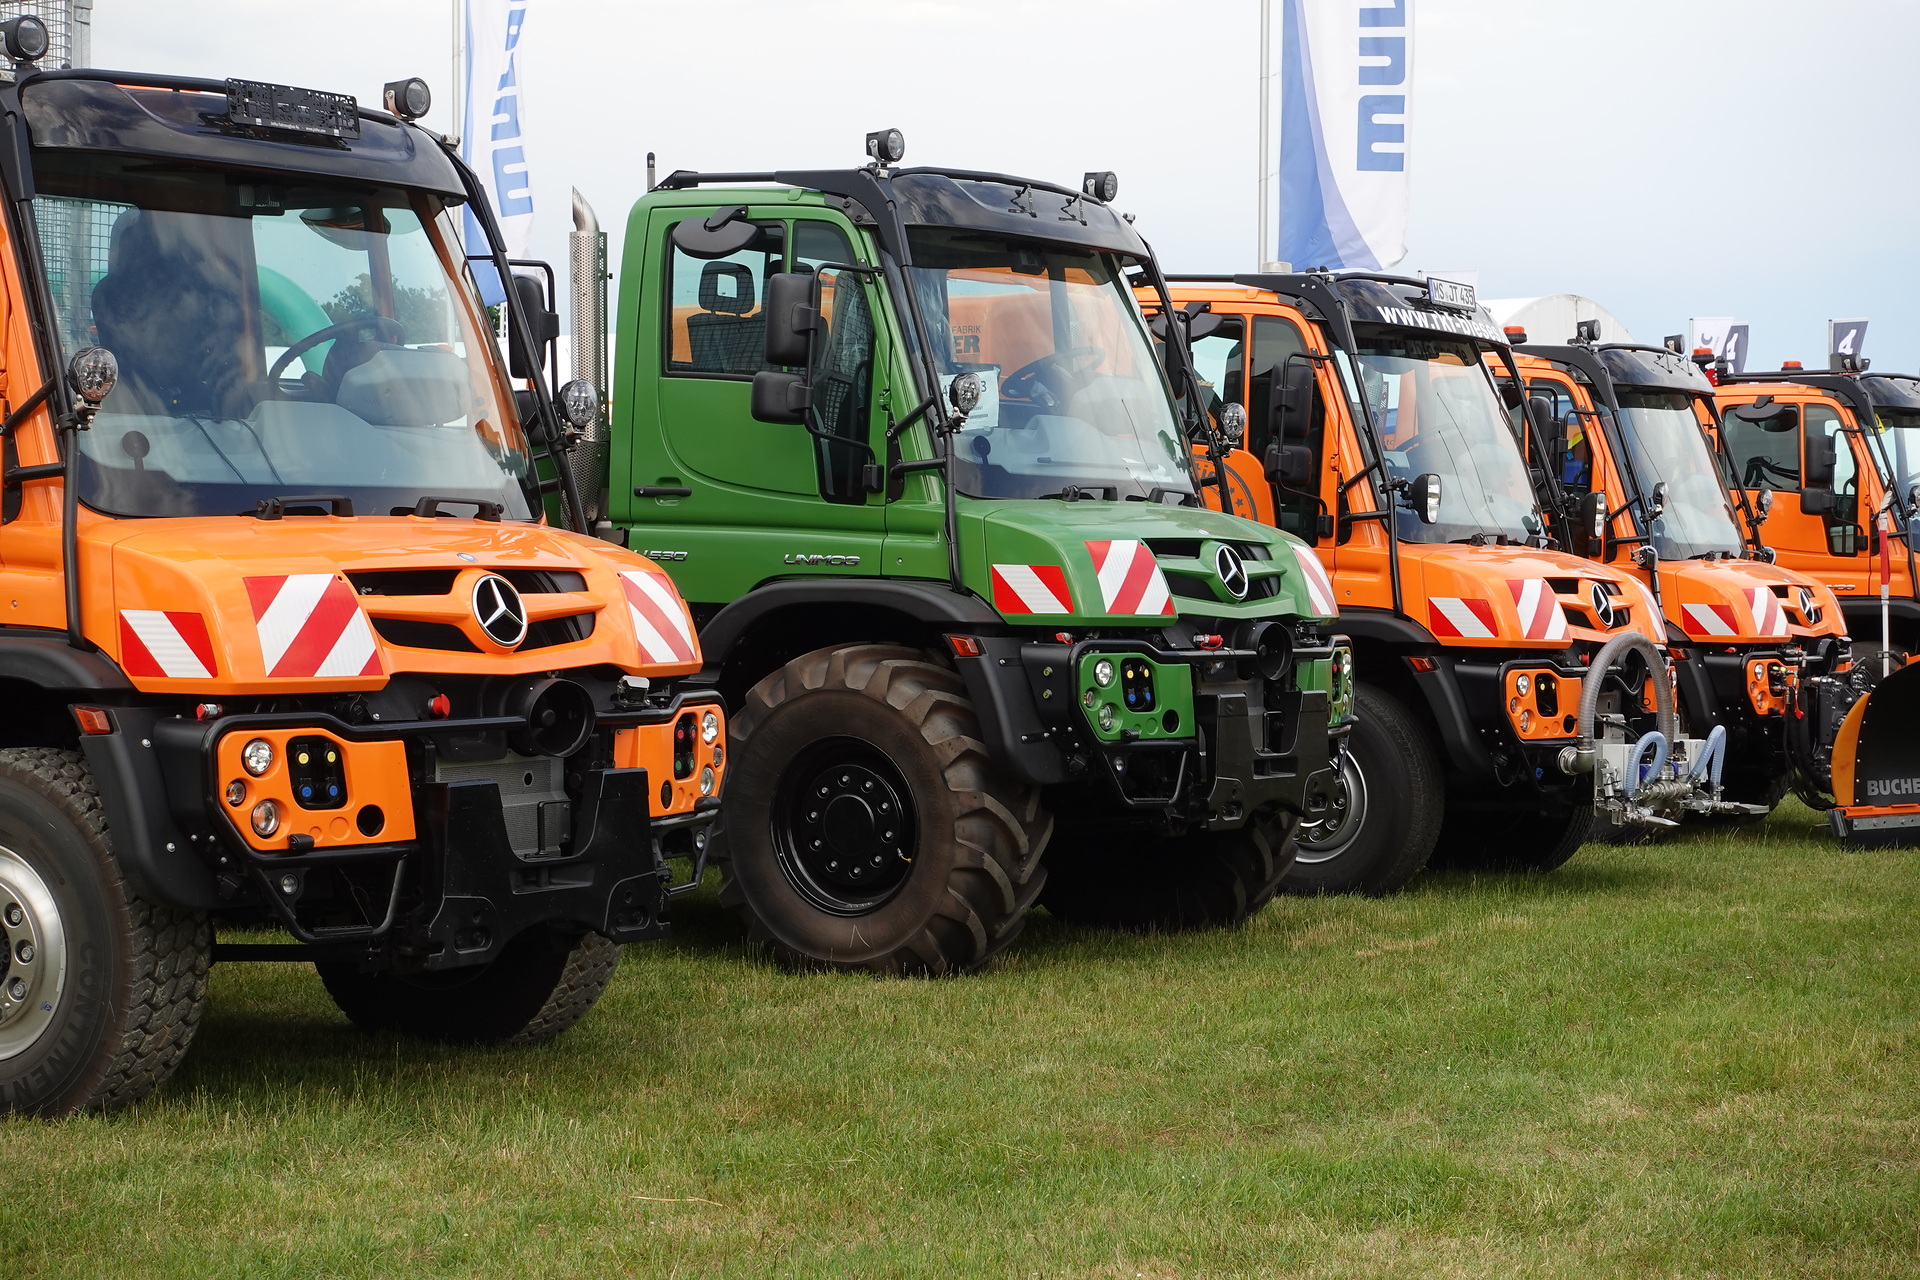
pixel 1579 759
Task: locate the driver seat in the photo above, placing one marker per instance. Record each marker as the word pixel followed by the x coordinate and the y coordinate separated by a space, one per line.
pixel 170 309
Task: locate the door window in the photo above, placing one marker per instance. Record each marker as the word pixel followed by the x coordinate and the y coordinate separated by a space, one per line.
pixel 842 362
pixel 1297 506
pixel 1766 455
pixel 716 326
pixel 1568 435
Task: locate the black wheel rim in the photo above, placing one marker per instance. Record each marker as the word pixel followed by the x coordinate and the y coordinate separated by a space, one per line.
pixel 845 830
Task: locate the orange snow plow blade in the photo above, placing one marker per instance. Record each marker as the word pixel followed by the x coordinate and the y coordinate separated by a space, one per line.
pixel 1876 764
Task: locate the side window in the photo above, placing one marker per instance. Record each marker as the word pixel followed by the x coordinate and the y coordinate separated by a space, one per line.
pixel 1823 422
pixel 715 325
pixel 1296 491
pixel 1567 436
pixel 842 362
pixel 1765 454
pixel 1220 360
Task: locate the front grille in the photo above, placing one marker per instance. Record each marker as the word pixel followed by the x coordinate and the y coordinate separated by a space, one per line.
pixel 540 582
pixel 408 634
pixel 402 582
pixel 549 632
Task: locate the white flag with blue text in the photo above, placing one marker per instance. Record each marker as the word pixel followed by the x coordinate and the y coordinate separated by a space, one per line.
pixel 1346 97
pixel 494 137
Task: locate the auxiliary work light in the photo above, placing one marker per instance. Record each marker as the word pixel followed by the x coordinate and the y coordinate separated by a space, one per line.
pixel 409 99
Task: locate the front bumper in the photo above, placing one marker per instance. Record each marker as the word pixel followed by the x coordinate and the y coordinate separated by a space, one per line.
pixel 458 854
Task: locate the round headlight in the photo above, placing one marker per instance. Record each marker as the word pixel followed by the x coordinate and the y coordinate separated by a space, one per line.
pixel 1522 686
pixel 719 754
pixel 709 728
pixel 93 372
pixel 579 403
pixel 1526 721
pixel 257 756
pixel 965 393
pixel 1103 673
pixel 236 793
pixel 706 781
pixel 266 818
pixel 1107 716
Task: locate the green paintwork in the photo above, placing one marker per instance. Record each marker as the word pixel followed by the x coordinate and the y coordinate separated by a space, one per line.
pixel 1172 688
pixel 756 516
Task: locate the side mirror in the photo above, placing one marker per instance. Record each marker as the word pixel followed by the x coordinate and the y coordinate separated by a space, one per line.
pixel 1823 454
pixel 793 317
pixel 1423 495
pixel 530 300
pixel 779 397
pixel 1592 519
pixel 1292 400
pixel 1542 410
pixel 1764 505
pixel 1816 502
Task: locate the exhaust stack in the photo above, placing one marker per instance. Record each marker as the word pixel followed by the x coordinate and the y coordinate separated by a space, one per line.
pixel 587 268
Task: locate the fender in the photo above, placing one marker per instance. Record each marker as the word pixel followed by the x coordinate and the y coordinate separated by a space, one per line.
pixel 1387 628
pixel 153 853
pixel 996 682
pixel 1862 613
pixel 1465 751
pixel 46 659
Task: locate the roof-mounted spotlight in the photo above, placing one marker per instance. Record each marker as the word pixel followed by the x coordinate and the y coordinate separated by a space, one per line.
pixel 25 38
pixel 409 99
pixel 1102 186
pixel 888 146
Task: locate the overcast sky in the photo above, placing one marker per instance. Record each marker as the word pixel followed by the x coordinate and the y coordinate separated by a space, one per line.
pixel 1671 158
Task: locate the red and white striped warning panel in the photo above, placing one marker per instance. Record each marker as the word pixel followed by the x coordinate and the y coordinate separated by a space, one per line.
pixel 1711 620
pixel 311 626
pixel 1130 578
pixel 163 643
pixel 660 621
pixel 1463 619
pixel 1031 588
pixel 1541 617
pixel 1769 616
pixel 1314 574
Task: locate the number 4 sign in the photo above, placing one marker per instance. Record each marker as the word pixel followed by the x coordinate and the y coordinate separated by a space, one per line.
pixel 1845 338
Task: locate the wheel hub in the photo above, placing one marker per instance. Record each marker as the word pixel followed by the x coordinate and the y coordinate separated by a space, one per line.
pixel 33 971
pixel 844 826
pixel 1327 837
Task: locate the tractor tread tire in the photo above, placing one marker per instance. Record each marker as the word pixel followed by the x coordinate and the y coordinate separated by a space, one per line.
pixel 167 952
pixel 999 828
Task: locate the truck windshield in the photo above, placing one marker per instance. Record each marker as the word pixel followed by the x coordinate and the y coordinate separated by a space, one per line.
pixel 1072 394
pixel 275 339
pixel 1898 431
pixel 1664 437
pixel 1436 411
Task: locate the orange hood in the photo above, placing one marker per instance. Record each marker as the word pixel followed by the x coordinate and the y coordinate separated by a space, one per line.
pixel 314 604
pixel 1510 597
pixel 1746 602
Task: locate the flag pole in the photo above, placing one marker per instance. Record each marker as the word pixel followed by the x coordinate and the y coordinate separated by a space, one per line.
pixel 457 134
pixel 1266 125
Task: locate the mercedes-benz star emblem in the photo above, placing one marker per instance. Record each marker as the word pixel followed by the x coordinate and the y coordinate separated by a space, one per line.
pixel 497 607
pixel 1233 574
pixel 1602 606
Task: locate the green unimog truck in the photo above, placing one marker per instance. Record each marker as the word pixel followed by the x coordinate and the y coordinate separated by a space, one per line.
pixel 901 439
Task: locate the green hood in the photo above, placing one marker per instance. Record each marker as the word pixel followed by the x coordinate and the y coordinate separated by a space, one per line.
pixel 1131 564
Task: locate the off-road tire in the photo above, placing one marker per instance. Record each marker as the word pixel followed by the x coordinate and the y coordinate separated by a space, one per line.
pixel 1518 841
pixel 135 971
pixel 541 983
pixel 1396 777
pixel 975 868
pixel 1201 880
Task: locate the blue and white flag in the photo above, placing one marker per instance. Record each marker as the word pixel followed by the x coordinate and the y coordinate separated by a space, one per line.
pixel 1346 96
pixel 493 139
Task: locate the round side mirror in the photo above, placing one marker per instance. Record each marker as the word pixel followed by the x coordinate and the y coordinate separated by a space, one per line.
pixel 579 403
pixel 965 393
pixel 93 373
pixel 1233 423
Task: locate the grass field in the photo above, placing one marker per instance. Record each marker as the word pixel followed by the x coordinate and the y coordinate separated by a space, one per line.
pixel 1693 1059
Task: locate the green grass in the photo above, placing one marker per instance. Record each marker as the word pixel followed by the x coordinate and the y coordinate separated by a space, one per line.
pixel 1692 1059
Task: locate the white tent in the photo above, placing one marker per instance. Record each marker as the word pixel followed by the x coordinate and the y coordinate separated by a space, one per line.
pixel 1552 319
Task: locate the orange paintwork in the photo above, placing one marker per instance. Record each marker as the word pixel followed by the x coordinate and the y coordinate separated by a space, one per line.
pixel 1772 686
pixel 376 775
pixel 1529 718
pixel 1719 586
pixel 1798 539
pixel 1359 565
pixel 650 747
pixel 1246 482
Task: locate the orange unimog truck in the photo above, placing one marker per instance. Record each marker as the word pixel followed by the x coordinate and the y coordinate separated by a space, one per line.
pixel 1829 454
pixel 1631 476
pixel 1503 686
pixel 289 644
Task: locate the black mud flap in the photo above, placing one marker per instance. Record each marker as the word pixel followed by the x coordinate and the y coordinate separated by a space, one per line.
pixel 1876 759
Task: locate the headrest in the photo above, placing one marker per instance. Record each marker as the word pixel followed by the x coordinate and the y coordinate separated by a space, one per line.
pixel 737 298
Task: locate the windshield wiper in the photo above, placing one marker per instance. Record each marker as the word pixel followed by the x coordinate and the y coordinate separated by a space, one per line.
pixel 1074 493
pixel 274 508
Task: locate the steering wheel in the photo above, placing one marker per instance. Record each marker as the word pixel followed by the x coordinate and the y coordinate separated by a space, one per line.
pixel 1074 364
pixel 378 325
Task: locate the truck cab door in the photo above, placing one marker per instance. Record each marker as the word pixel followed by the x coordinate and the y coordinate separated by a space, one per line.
pixel 763 500
pixel 1813 524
